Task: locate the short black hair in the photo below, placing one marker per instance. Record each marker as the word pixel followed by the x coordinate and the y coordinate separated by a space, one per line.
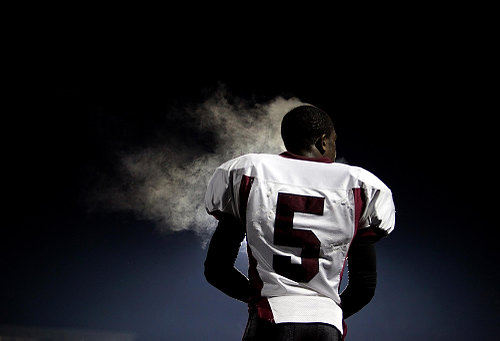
pixel 302 126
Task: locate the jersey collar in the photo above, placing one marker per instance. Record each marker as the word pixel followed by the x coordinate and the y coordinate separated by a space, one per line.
pixel 289 155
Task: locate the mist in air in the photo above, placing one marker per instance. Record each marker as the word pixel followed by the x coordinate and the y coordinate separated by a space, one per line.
pixel 165 183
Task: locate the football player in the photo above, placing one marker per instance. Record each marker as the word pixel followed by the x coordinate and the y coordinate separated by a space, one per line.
pixel 303 215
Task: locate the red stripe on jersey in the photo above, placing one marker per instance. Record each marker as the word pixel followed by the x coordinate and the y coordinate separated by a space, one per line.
pixel 359 205
pixel 344 326
pixel 245 186
pixel 256 301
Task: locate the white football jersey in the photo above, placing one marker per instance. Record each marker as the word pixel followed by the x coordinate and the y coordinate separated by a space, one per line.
pixel 301 215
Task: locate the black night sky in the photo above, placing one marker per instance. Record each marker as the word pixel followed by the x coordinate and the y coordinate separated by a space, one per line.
pixel 411 116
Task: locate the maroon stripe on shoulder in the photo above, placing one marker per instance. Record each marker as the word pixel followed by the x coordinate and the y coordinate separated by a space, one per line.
pixel 245 187
pixel 359 205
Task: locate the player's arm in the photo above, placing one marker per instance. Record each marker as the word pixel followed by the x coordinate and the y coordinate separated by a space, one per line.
pixel 362 277
pixel 221 255
pixel 376 222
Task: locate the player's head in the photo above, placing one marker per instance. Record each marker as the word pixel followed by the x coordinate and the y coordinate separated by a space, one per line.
pixel 306 129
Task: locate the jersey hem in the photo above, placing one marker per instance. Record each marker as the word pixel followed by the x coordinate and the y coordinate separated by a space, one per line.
pixel 306 309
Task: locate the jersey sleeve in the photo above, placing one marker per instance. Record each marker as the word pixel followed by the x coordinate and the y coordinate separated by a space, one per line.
pixel 222 196
pixel 219 196
pixel 378 217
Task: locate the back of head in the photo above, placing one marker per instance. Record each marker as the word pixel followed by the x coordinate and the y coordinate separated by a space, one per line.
pixel 302 126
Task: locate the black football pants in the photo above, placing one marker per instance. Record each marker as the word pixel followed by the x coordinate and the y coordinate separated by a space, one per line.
pixel 262 330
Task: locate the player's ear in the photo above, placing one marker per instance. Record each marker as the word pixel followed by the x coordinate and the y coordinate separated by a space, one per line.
pixel 321 143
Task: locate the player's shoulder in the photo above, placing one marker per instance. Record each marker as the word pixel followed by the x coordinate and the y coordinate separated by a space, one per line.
pixel 367 178
pixel 246 160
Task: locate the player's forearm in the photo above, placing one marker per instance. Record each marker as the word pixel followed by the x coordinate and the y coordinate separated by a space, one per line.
pixel 362 279
pixel 230 281
pixel 357 295
pixel 221 256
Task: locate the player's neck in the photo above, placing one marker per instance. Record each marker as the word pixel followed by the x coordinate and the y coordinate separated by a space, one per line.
pixel 310 153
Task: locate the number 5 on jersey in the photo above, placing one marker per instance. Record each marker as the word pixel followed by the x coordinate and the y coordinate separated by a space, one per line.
pixel 286 235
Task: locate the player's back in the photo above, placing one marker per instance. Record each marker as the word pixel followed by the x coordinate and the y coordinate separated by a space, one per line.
pixel 301 215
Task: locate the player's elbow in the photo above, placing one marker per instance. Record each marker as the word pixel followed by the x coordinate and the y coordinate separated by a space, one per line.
pixel 363 293
pixel 370 294
pixel 364 284
pixel 366 294
pixel 210 273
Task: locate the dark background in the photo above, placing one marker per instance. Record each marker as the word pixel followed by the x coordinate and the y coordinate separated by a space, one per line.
pixel 412 113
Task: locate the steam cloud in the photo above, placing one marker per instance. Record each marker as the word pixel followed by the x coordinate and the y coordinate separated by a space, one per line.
pixel 166 183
